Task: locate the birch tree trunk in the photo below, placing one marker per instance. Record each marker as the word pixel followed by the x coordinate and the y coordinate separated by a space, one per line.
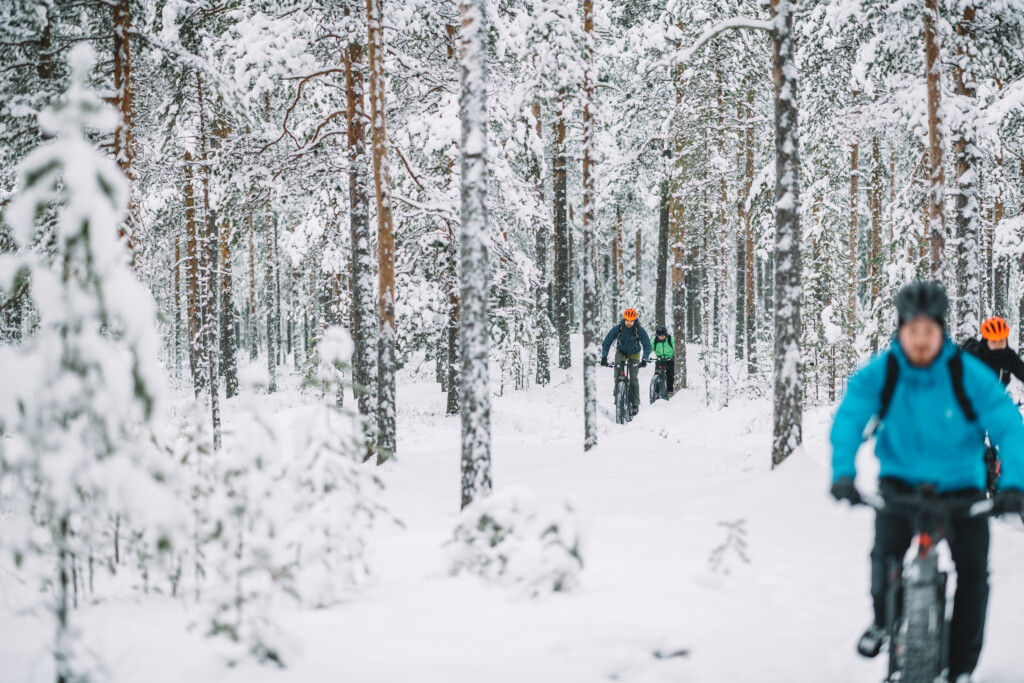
pixel 590 312
pixel 386 240
pixel 475 392
pixel 787 429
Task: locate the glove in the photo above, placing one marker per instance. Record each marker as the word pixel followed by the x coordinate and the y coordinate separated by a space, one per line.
pixel 844 489
pixel 604 362
pixel 643 363
pixel 1008 501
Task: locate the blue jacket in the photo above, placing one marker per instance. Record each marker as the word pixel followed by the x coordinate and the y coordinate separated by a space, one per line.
pixel 925 436
pixel 630 342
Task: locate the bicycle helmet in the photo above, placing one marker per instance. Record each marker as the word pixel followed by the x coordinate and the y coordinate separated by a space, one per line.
pixel 629 314
pixel 922 298
pixel 995 329
pixel 660 330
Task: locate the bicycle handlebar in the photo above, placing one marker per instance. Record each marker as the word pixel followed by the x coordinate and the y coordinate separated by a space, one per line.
pixel 911 502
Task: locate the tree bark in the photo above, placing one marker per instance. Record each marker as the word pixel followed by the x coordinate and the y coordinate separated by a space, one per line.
pixel 386 240
pixel 228 341
pixel 364 329
pixel 661 282
pixel 272 322
pixel 748 242
pixel 124 143
pixel 563 286
pixel 475 390
pixel 967 198
pixel 936 175
pixel 787 429
pixel 541 257
pixel 851 321
pixel 195 321
pixel 590 313
pixel 875 255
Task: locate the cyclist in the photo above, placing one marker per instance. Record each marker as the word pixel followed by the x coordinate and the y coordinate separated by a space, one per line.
pixel 928 398
pixel 665 352
pixel 631 341
pixel 995 352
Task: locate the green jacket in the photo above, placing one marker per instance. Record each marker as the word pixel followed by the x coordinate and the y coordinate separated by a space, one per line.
pixel 664 349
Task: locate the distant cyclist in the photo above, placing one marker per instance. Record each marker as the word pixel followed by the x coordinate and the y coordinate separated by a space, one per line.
pixel 933 406
pixel 995 352
pixel 631 343
pixel 665 352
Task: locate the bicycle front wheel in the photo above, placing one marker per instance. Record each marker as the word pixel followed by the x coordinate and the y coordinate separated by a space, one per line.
pixel 924 618
pixel 622 415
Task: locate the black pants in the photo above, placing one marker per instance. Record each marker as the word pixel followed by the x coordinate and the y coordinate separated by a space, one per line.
pixel 969 543
pixel 670 372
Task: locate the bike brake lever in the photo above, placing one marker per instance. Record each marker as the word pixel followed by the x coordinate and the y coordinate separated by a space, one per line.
pixel 873 500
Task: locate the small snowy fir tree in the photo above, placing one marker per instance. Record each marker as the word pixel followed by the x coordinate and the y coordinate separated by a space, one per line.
pixel 511 537
pixel 78 396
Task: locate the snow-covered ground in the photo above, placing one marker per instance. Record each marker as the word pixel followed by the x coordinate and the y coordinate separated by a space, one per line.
pixel 655 497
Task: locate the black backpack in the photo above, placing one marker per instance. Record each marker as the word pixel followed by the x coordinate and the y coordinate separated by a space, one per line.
pixel 956 374
pixel 636 332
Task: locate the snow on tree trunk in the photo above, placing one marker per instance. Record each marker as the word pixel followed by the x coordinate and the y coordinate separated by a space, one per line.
pixel 228 317
pixel 563 281
pixel 453 362
pixel 124 142
pixel 386 240
pixel 788 417
pixel 968 166
pixel 680 314
pixel 474 333
pixel 875 245
pixel 253 328
pixel 541 258
pixel 195 321
pixel 272 322
pixel 363 327
pixel 591 338
pixel 661 283
pixel 851 305
pixel 748 241
pixel 936 227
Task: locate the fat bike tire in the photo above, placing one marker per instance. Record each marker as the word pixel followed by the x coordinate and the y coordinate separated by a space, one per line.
pixel 924 617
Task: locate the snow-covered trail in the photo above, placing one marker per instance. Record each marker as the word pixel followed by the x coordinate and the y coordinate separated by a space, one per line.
pixel 653 494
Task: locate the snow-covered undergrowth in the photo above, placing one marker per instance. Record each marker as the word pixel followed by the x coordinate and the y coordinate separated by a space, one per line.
pixel 513 537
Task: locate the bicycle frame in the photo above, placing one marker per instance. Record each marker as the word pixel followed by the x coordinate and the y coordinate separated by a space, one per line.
pixel 932 517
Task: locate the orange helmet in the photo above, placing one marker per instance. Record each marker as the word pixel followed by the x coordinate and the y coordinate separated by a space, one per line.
pixel 995 329
pixel 629 314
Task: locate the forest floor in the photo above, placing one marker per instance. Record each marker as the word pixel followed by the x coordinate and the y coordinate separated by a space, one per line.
pixel 653 496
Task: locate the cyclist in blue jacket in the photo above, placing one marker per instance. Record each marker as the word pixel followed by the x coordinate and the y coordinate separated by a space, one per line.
pixel 630 340
pixel 927 435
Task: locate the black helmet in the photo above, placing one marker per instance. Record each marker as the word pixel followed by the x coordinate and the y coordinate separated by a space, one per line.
pixel 660 330
pixel 922 298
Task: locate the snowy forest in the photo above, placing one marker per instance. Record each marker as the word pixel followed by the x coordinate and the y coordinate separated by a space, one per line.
pixel 302 301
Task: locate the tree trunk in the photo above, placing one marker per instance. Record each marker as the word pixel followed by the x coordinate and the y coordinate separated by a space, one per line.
pixel 748 243
pixel 475 390
pixel 228 317
pixel 272 323
pixel 722 251
pixel 364 328
pixel 851 321
pixel 195 320
pixel 541 256
pixel 563 286
pixel 454 315
pixel 936 174
pixel 591 337
pixel 210 282
pixel 382 184
pixel 967 198
pixel 875 257
pixel 787 429
pixel 124 143
pixel 177 306
pixel 639 261
pixel 661 282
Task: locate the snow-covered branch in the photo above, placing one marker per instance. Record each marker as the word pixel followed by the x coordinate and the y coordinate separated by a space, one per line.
pixel 680 57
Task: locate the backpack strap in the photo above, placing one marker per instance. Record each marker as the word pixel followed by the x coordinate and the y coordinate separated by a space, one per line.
pixel 956 374
pixel 892 374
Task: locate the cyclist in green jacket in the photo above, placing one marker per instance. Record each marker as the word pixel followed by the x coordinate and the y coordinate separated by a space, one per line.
pixel 665 351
